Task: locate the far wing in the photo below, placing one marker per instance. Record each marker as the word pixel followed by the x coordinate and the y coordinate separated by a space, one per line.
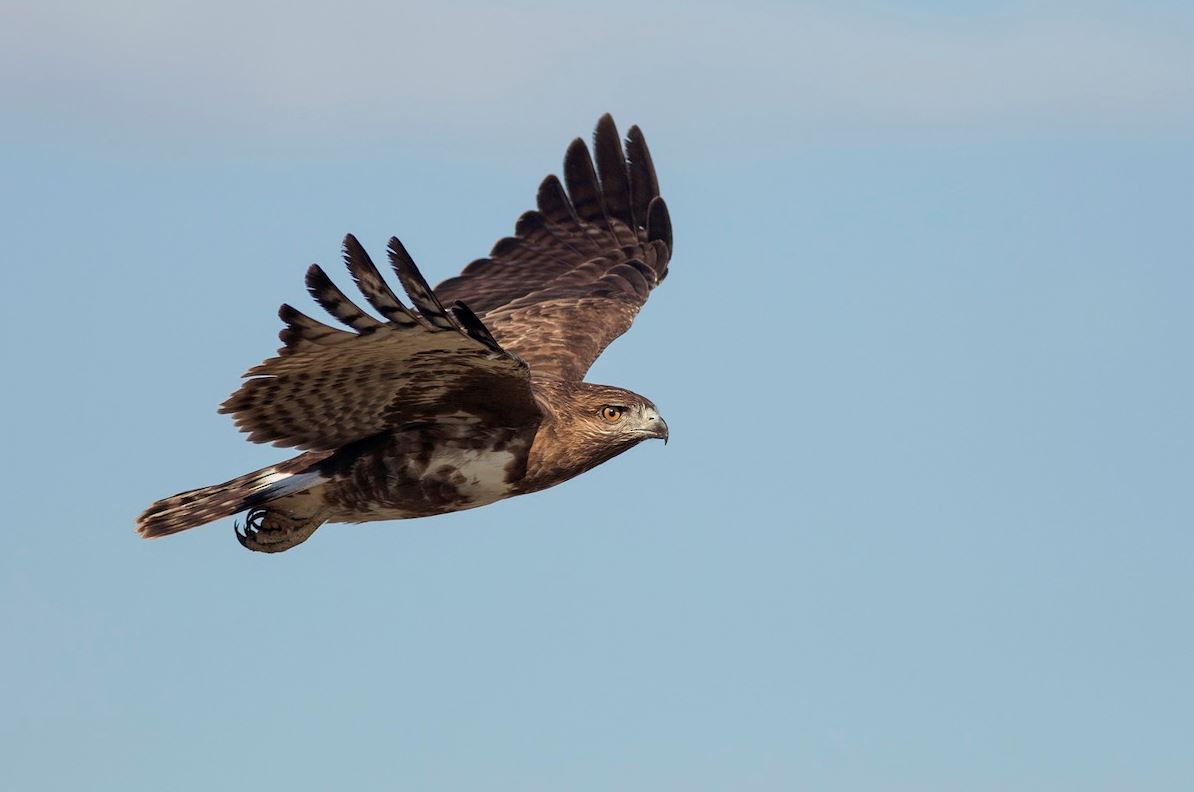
pixel 328 387
pixel 579 268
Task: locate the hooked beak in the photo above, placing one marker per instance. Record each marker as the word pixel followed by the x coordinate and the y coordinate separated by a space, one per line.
pixel 655 426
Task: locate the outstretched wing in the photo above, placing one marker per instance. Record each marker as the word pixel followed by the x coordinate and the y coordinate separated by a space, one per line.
pixel 578 269
pixel 328 387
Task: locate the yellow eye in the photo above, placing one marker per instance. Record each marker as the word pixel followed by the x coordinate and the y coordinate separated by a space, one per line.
pixel 612 414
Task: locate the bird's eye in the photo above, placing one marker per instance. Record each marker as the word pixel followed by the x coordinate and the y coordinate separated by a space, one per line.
pixel 611 413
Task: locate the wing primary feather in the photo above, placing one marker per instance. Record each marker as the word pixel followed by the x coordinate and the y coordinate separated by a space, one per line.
pixel 554 204
pixel 474 327
pixel 561 218
pixel 582 183
pixel 417 289
pixel 644 186
pixel 337 303
pixel 301 331
pixel 373 285
pixel 659 224
pixel 529 222
pixel 611 169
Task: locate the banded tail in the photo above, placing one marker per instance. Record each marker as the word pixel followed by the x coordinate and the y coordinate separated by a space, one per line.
pixel 199 506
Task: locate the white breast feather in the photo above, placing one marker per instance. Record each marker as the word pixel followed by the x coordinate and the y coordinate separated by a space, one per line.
pixel 483 472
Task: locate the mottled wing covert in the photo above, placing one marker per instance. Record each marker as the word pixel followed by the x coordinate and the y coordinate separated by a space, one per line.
pixel 328 387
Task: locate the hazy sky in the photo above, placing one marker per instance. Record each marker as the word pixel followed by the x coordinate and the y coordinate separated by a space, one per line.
pixel 924 522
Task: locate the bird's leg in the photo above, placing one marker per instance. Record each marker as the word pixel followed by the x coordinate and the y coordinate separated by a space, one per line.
pixel 272 530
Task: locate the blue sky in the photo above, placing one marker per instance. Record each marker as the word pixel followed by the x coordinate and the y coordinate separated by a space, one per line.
pixel 924 521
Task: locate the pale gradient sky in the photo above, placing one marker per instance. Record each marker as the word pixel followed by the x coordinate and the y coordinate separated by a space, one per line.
pixel 925 519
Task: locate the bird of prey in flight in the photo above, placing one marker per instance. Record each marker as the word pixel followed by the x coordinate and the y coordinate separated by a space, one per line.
pixel 473 391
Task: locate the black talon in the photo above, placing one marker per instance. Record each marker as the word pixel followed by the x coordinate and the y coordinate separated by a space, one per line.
pixel 240 537
pixel 284 532
pixel 253 521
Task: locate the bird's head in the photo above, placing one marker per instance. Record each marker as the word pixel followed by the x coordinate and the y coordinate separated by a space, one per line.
pixel 591 424
pixel 617 416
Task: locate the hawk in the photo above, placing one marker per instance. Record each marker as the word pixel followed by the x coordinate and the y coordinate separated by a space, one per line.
pixel 474 391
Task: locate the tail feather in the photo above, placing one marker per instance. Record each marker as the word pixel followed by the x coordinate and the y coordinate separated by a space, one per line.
pixel 198 506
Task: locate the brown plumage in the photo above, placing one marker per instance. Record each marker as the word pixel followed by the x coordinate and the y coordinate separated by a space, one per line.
pixel 471 394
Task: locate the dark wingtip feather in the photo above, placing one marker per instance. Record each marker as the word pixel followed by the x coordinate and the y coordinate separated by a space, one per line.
pixel 581 179
pixel 289 335
pixel 553 201
pixel 528 222
pixel 317 280
pixel 287 312
pixel 398 253
pixel 300 328
pixel 644 185
pixel 372 285
pixel 612 170
pixel 474 327
pixel 417 288
pixel 659 223
pixel 336 302
pixel 355 256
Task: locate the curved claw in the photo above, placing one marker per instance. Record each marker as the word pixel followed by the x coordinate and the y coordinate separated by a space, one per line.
pixel 285 531
pixel 248 539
